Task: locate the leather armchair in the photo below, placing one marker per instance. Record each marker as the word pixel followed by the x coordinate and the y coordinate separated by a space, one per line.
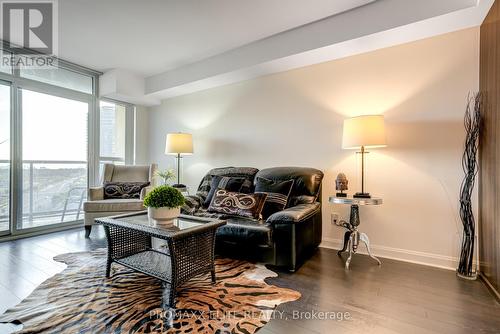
pixel 96 206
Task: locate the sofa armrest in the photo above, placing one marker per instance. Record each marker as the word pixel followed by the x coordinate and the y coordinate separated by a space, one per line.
pixel 145 191
pixel 295 214
pixel 96 193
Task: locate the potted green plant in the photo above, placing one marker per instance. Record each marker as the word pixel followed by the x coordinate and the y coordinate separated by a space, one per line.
pixel 164 203
pixel 165 175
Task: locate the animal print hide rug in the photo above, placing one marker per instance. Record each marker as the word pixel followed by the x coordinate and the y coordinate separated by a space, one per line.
pixel 81 299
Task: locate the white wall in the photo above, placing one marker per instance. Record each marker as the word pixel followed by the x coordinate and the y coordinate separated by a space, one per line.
pixel 141 142
pixel 295 119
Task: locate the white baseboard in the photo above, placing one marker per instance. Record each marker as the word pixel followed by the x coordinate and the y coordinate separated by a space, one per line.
pixel 427 259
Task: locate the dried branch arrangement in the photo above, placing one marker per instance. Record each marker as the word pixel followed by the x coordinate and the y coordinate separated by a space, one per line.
pixel 472 123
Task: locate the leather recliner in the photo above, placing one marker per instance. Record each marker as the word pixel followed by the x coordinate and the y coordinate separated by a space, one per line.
pixel 287 237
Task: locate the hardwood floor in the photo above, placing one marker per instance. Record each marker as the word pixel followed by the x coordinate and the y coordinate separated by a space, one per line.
pixel 397 297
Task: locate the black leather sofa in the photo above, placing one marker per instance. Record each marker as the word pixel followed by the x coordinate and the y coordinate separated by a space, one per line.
pixel 286 238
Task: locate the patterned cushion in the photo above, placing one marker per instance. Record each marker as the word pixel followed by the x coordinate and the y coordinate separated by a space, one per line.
pixel 277 194
pixel 123 189
pixel 237 204
pixel 223 182
pixel 247 172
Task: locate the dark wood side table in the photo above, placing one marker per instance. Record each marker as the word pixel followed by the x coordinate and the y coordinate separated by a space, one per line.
pixel 352 236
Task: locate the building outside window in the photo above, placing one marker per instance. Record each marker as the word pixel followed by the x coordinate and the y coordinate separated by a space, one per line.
pixel 62 135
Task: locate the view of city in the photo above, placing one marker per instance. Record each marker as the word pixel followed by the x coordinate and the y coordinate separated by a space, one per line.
pixel 49 191
pixel 54 175
pixel 54 159
pixel 4 196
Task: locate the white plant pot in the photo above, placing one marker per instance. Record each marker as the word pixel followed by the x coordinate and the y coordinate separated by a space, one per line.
pixel 164 213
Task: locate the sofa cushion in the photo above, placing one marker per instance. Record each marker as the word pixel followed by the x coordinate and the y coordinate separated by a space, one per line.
pixel 123 189
pixel 277 194
pixel 306 186
pixel 223 182
pixel 114 205
pixel 237 204
pixel 192 203
pixel 245 231
pixel 240 230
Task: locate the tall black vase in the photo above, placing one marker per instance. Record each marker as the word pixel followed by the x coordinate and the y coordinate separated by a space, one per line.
pixel 472 123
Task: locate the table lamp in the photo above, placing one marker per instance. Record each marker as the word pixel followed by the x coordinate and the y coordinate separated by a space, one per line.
pixel 360 133
pixel 179 144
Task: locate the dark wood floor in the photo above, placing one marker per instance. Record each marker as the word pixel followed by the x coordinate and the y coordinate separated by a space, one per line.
pixel 397 297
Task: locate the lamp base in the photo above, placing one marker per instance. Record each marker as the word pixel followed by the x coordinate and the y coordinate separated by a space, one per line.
pixel 362 195
pixel 179 186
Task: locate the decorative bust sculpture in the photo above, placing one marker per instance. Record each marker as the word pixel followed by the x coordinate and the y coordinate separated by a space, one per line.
pixel 341 184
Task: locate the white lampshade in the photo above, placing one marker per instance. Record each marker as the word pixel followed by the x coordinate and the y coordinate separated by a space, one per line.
pixel 367 131
pixel 179 143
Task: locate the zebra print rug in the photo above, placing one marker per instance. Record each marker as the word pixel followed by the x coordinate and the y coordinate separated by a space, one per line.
pixel 81 300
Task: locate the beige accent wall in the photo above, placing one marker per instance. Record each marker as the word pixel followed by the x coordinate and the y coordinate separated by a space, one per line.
pixel 295 119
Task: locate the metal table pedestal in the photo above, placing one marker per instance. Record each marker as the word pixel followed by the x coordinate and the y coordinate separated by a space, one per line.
pixel 352 236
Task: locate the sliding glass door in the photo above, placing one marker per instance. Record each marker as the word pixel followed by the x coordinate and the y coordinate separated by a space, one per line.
pixel 54 159
pixel 49 145
pixel 5 158
pixel 50 151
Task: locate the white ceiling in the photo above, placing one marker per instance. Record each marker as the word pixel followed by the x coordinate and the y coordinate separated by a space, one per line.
pixel 156 49
pixel 152 36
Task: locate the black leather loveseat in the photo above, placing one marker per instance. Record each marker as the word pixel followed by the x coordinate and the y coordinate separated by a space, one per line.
pixel 287 237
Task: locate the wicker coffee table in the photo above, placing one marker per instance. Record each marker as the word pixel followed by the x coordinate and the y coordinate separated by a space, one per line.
pixel 185 250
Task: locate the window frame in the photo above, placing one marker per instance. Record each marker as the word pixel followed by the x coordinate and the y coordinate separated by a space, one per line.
pixel 17 84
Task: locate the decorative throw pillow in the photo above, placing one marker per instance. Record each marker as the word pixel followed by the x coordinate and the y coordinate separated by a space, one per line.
pixel 237 204
pixel 277 194
pixel 123 189
pixel 223 182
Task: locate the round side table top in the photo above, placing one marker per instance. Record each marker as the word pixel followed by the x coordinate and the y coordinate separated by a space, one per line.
pixel 356 201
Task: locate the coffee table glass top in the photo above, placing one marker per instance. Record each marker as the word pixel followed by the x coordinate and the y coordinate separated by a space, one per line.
pixel 177 224
pixel 141 222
